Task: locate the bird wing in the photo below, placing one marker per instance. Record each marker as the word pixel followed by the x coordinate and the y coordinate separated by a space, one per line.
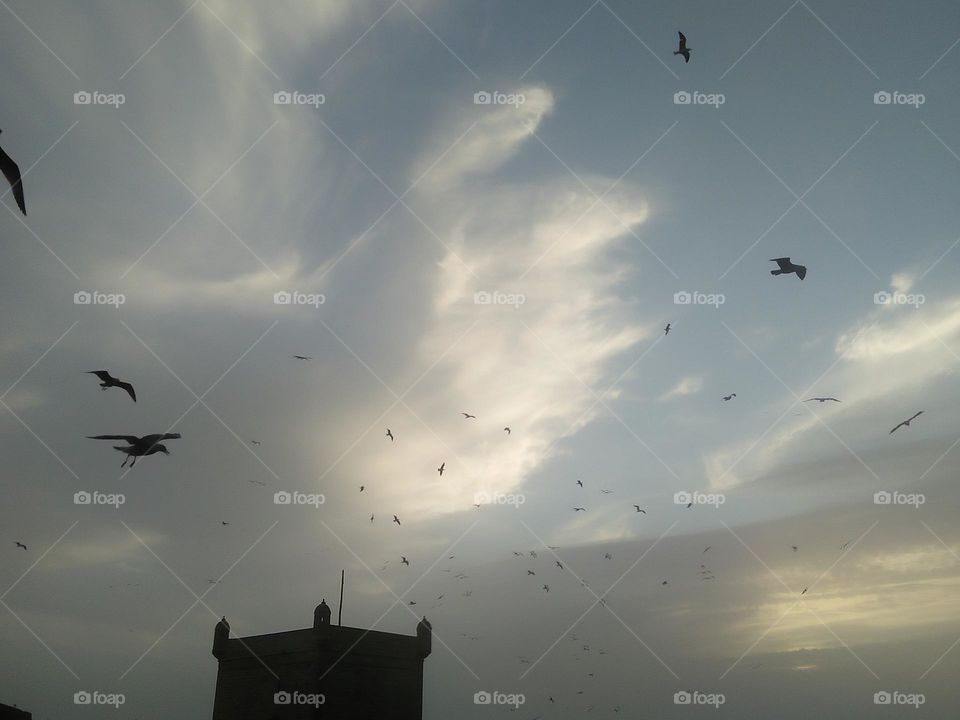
pixel 11 171
pixel 897 427
pixel 129 388
pixel 686 55
pixel 683 40
pixel 157 437
pixel 130 439
pixel 915 416
pixel 783 262
pixel 104 375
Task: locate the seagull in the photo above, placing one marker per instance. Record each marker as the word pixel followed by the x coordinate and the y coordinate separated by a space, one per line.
pixel 507 430
pixel 578 509
pixel 608 556
pixel 12 173
pixel 706 548
pixel 731 396
pixel 20 545
pixel 580 483
pixel 440 469
pixel 107 381
pixel 303 357
pixel 371 517
pixel 412 602
pixel 905 422
pixel 467 416
pixel 547 588
pixel 404 561
pixel 689 505
pixel 389 434
pixel 639 510
pixel 804 591
pixel 396 519
pixel 823 399
pixel 683 49
pixel 558 564
pixel 664 582
pixel 666 330
pixel 362 487
pixel 255 442
pixel 787 267
pixel 533 553
pixel 530 572
pixel 139 446
pixel 224 523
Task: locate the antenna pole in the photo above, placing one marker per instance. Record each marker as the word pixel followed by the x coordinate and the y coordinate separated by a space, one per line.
pixel 340 610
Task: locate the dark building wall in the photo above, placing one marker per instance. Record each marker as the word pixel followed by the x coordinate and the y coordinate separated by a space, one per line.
pixel 8 712
pixel 361 674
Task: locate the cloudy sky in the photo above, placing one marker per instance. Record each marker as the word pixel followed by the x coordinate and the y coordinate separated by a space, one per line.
pixel 515 255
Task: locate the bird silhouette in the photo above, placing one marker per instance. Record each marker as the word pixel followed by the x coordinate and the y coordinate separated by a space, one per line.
pixel 546 587
pixel 507 430
pixel 255 442
pixel 666 330
pixel 303 357
pixel 795 548
pixel 823 399
pixel 639 510
pixel 787 267
pixel 108 381
pixel 467 416
pixel 139 446
pixel 530 572
pixel 558 564
pixel 404 561
pixel 224 523
pixel 580 483
pixel 371 518
pixel 905 422
pixel 12 173
pixel 804 591
pixel 396 519
pixel 20 545
pixel 362 487
pixel 578 509
pixel 389 434
pixel 731 396
pixel 683 49
pixel 440 469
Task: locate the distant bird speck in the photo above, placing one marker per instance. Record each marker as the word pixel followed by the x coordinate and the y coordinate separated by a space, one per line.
pixel 108 381
pixel 404 560
pixel 21 545
pixel 396 519
pixel 639 510
pixel 389 434
pixel 468 416
pixel 823 399
pixel 906 423
pixel 507 430
pixel 731 396
pixel 666 329
pixel 440 469
pixel 303 357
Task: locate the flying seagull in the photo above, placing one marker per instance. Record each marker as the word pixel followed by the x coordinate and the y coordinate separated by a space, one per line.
pixel 639 510
pixel 12 173
pixel 530 572
pixel 139 446
pixel 558 564
pixel 731 396
pixel 440 469
pixel 371 517
pixel 362 487
pixel 303 357
pixel 787 267
pixel 823 399
pixel 255 442
pixel 224 523
pixel 467 416
pixel 21 545
pixel 707 548
pixel 905 422
pixel 683 49
pixel 578 509
pixel 580 483
pixel 804 591
pixel 396 519
pixel 404 561
pixel 389 434
pixel 795 548
pixel 507 430
pixel 107 381
pixel 547 588
pixel 666 330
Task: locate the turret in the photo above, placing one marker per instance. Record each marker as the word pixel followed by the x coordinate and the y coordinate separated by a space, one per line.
pixel 321 616
pixel 425 637
pixel 221 634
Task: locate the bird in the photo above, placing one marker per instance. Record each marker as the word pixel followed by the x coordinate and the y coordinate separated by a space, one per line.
pixel 303 357
pixel 683 49
pixel 467 416
pixel 139 446
pixel 578 509
pixel 507 430
pixel 440 469
pixel 731 396
pixel 404 561
pixel 639 510
pixel 396 519
pixel 580 483
pixel 12 173
pixel 224 523
pixel 689 505
pixel 389 434
pixel 412 602
pixel 546 587
pixel 787 267
pixel 558 564
pixel 804 591
pixel 795 548
pixel 255 442
pixel 530 572
pixel 666 330
pixel 905 422
pixel 664 582
pixel 706 548
pixel 20 544
pixel 518 554
pixel 823 399
pixel 606 492
pixel 108 381
pixel 607 556
pixel 371 517
pixel 533 553
pixel 362 487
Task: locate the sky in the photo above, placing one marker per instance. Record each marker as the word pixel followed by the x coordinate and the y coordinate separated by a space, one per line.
pixel 492 208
